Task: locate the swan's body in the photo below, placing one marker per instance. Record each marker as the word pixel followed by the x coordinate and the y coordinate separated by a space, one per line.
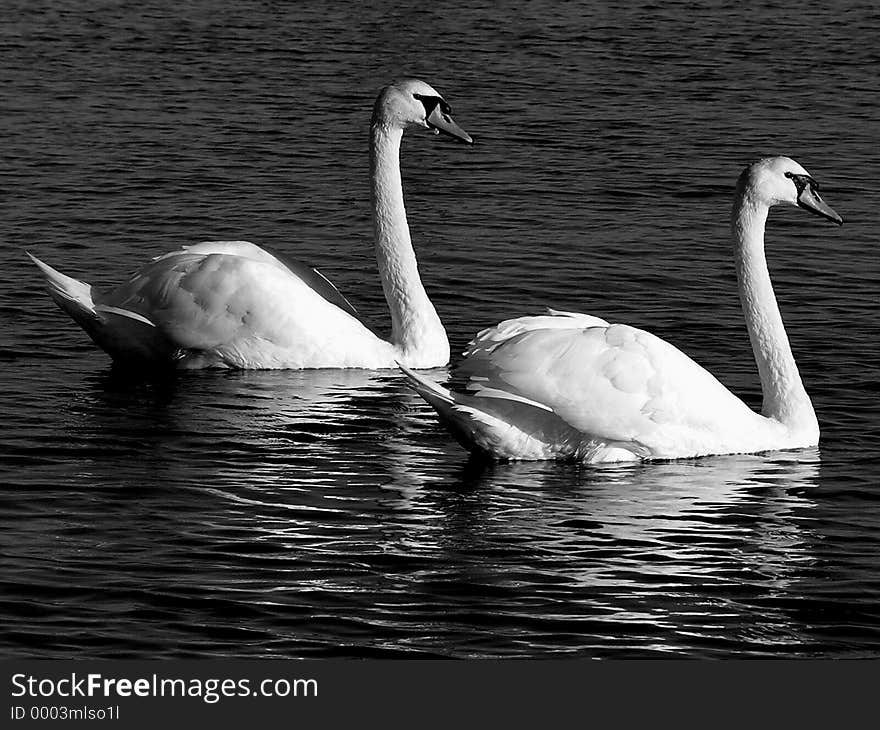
pixel 572 386
pixel 233 304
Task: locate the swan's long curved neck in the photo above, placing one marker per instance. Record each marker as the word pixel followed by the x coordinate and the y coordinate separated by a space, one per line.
pixel 416 329
pixel 785 398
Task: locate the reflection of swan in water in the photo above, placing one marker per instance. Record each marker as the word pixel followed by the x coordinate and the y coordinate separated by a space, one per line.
pixel 627 501
pixel 243 429
pixel 632 503
pixel 681 545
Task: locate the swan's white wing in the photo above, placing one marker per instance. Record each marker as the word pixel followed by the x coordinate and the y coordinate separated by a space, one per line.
pixel 246 313
pixel 614 383
pixel 245 249
pixel 309 275
pixel 488 339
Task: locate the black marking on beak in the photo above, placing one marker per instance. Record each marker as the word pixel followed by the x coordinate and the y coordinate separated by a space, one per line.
pixel 802 181
pixel 438 115
pixel 809 199
pixel 432 102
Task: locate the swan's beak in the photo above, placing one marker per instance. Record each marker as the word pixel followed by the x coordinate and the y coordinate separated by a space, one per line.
pixel 443 122
pixel 809 200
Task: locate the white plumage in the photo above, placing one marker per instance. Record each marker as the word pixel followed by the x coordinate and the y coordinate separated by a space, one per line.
pixel 570 386
pixel 234 304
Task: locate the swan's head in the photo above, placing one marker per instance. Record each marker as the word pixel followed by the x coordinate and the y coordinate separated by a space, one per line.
pixel 409 102
pixel 778 180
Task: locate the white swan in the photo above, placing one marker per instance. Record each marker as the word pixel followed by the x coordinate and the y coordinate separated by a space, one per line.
pixel 233 304
pixel 572 386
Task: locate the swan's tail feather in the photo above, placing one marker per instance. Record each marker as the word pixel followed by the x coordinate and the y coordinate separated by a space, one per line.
pixel 463 422
pixel 122 334
pixel 72 295
pixel 476 428
pixel 434 394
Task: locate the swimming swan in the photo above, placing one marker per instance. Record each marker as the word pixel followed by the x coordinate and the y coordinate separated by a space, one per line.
pixel 233 304
pixel 572 386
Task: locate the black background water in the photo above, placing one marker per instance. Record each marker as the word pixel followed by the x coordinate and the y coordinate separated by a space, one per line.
pixel 325 513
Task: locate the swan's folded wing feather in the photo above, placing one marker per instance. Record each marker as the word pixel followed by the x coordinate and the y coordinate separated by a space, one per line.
pixel 232 248
pixel 104 309
pixel 616 383
pixel 309 275
pixel 219 301
pixel 488 339
pixel 321 284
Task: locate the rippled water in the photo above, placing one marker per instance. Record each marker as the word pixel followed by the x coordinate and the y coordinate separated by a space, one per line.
pixel 326 513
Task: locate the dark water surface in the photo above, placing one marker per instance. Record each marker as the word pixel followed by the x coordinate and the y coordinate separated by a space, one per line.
pixel 326 513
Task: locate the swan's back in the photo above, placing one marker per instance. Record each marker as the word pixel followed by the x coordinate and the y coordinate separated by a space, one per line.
pixel 309 275
pixel 621 385
pixel 244 312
